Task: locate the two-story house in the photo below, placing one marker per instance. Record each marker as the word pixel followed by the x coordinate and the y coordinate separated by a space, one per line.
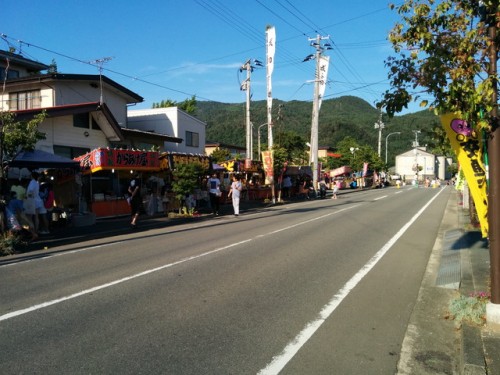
pixel 84 113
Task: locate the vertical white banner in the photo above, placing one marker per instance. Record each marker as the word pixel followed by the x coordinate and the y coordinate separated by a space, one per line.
pixel 322 77
pixel 270 50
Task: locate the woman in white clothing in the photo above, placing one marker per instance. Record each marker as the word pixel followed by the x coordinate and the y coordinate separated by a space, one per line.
pixel 235 193
pixel 35 205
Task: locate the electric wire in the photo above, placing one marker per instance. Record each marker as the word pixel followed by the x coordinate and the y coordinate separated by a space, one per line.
pixel 285 59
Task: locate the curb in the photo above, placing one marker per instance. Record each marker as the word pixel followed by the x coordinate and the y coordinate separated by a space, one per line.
pixel 480 345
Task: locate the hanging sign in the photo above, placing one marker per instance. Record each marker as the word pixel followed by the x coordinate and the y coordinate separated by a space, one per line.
pixel 107 159
pixel 467 145
pixel 169 160
pixel 268 163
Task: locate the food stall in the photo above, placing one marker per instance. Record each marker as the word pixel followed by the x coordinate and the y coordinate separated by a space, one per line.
pixel 343 174
pixel 252 178
pixel 106 175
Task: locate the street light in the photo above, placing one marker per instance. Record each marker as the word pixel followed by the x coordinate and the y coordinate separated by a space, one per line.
pixel 353 151
pixel 386 138
pixel 415 143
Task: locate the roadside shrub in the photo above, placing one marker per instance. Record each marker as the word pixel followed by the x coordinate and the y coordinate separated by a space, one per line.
pixel 471 309
pixel 8 243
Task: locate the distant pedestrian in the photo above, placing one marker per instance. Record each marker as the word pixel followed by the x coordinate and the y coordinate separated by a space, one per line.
pixel 34 206
pixel 235 193
pixel 322 189
pixel 336 188
pixel 135 199
pixel 287 185
pixel 215 193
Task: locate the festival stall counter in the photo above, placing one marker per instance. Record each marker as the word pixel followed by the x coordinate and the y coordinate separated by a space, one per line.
pixel 253 179
pixel 107 173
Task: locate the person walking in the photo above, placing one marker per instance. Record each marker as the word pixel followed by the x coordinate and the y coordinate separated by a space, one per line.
pixel 134 190
pixel 235 193
pixel 287 185
pixel 215 193
pixel 336 188
pixel 34 205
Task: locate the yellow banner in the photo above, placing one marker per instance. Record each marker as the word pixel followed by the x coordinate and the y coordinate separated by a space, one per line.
pixel 467 144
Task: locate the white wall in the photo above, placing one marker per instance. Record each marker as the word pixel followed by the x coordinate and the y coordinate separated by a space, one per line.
pixel 405 163
pixel 170 121
pixel 61 132
pixel 75 92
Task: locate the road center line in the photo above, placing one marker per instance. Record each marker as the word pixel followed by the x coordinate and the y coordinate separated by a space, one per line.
pixel 280 361
pixel 16 313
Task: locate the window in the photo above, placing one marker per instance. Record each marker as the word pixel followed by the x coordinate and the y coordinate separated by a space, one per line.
pixel 81 120
pixel 25 100
pixel 192 139
pixel 95 125
pixel 70 152
pixel 10 74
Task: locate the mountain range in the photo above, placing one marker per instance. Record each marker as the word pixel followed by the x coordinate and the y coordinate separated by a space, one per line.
pixel 346 116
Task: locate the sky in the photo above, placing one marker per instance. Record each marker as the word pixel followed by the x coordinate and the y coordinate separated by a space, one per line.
pixel 173 50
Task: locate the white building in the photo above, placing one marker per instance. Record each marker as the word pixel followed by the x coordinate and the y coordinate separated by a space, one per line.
pixel 427 164
pixel 417 159
pixel 172 121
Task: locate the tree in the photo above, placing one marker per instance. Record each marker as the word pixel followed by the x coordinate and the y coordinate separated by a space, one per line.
pixel 186 178
pixel 52 67
pixel 220 155
pixel 165 104
pixel 188 105
pixel 293 147
pixel 453 50
pixel 442 50
pixel 16 136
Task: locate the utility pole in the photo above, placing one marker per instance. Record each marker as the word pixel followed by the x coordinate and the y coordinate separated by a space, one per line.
pixel 493 309
pixel 245 86
pixel 313 158
pixel 379 125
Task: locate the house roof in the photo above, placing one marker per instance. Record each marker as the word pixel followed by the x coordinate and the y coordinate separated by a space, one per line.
pixel 112 130
pixel 223 145
pixel 147 134
pixel 40 159
pixel 22 61
pixel 411 153
pixel 134 98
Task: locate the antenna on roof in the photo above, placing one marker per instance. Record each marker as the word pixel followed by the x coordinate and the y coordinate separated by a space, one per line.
pixel 100 62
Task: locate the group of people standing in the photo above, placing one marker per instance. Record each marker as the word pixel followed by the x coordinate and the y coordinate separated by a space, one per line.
pixel 32 206
pixel 215 193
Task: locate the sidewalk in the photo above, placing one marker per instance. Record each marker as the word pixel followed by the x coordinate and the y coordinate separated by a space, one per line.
pixel 459 265
pixel 117 226
pixel 480 345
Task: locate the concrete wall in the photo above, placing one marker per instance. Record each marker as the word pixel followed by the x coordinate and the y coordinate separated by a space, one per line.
pixel 169 121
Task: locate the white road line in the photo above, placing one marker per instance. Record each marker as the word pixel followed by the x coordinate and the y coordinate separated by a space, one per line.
pixel 382 197
pixel 119 281
pixel 280 361
pixel 16 313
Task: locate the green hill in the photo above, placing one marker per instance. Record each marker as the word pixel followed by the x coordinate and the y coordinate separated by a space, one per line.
pixel 339 118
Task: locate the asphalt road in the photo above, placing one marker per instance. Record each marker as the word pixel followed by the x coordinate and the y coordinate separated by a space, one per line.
pixel 317 287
